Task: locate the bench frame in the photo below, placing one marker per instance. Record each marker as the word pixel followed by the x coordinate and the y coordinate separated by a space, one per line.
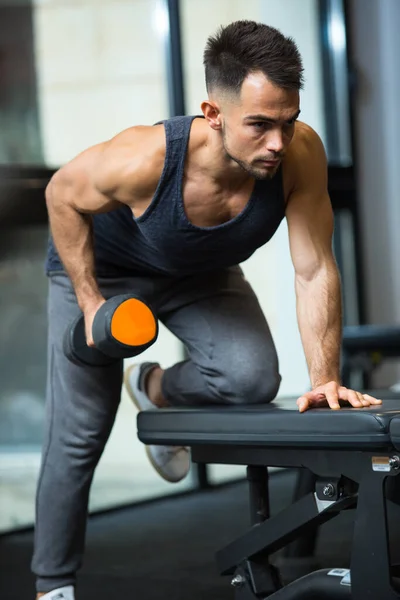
pixel 345 478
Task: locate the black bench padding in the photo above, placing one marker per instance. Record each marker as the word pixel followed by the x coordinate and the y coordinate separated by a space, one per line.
pixel 275 424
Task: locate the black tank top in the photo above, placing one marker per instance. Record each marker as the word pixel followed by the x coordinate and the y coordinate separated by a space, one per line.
pixel 162 240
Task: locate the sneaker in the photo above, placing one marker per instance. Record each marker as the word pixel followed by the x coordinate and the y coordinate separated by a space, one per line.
pixel 172 463
pixel 64 593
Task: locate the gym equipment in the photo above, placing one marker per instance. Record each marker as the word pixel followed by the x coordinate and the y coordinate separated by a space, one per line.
pixel 123 326
pixel 365 347
pixel 351 453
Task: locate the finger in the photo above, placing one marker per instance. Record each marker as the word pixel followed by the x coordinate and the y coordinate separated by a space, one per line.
pixel 364 401
pixel 315 397
pixel 332 396
pixel 372 400
pixel 305 400
pixel 303 403
pixel 351 396
pixel 353 399
pixel 309 396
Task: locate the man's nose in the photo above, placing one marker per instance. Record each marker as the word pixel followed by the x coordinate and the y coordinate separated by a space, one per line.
pixel 275 141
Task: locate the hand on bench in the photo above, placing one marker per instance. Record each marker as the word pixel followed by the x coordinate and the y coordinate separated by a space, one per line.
pixel 331 394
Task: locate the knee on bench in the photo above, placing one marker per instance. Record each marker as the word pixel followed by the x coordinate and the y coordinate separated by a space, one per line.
pixel 247 386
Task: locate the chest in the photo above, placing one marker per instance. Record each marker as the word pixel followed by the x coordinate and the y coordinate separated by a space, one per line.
pixel 206 205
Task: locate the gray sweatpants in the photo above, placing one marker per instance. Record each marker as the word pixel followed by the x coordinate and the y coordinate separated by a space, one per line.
pixel 232 360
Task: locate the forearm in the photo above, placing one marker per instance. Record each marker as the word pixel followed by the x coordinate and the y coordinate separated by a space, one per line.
pixel 72 234
pixel 319 314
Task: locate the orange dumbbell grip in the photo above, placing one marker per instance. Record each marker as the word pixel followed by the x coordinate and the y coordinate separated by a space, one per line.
pixel 133 323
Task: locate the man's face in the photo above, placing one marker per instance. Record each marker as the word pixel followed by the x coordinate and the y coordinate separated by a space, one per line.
pixel 259 126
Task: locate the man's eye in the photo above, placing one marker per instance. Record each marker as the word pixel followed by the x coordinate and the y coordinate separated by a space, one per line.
pixel 260 125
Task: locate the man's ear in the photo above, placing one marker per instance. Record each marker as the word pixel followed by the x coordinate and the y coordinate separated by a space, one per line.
pixel 212 114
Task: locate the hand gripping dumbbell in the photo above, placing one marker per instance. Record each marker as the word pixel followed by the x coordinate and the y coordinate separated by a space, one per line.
pixel 123 326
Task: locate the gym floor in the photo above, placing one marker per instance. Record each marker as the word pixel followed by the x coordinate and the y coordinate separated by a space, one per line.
pixel 165 549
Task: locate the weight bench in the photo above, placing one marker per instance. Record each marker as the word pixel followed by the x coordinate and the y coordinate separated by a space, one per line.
pixel 350 452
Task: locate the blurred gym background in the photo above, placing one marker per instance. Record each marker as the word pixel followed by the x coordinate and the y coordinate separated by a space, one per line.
pixel 76 72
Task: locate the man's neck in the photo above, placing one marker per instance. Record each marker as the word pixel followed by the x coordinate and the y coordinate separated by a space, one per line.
pixel 208 155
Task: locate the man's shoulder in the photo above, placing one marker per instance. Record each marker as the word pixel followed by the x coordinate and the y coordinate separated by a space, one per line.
pixel 305 147
pixel 305 139
pixel 134 140
pixel 133 159
pixel 305 158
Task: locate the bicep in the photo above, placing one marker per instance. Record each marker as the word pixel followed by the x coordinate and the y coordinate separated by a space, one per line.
pixel 310 224
pixel 310 217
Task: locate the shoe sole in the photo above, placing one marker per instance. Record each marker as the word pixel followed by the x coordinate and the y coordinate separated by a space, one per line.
pixel 129 387
pixel 147 448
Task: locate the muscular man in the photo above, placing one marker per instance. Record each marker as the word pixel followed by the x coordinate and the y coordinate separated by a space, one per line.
pixel 169 211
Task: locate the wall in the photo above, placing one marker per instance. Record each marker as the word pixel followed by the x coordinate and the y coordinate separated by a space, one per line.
pixel 100 69
pixel 376 52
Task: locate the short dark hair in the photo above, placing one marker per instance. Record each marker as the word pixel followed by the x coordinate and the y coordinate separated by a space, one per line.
pixel 245 47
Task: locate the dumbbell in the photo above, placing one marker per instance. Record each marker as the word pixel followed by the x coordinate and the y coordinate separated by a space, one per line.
pixel 123 326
